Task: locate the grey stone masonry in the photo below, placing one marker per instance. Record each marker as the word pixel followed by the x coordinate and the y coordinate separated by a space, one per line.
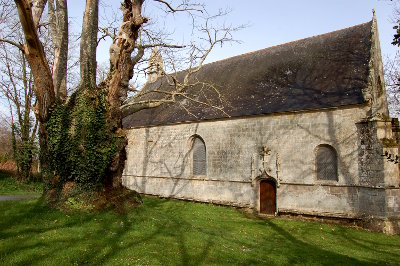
pixel 160 162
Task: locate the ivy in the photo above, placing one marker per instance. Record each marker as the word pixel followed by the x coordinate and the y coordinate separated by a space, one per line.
pixel 80 144
pixel 23 151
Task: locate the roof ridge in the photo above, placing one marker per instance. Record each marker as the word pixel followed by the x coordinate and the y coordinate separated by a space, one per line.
pixel 286 43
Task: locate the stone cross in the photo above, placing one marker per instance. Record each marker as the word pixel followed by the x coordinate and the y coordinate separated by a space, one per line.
pixel 265 153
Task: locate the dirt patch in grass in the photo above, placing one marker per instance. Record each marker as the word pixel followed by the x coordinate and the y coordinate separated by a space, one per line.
pixel 121 200
pixel 73 198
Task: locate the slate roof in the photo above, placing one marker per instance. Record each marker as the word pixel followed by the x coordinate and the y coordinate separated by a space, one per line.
pixel 323 71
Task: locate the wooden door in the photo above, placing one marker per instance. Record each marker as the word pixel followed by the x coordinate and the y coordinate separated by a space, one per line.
pixel 267 197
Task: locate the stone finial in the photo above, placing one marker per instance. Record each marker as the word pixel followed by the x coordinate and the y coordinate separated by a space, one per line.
pixel 374 16
pixel 155 65
pixel 266 150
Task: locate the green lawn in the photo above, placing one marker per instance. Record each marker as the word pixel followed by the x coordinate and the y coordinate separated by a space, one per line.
pixel 171 232
pixel 9 186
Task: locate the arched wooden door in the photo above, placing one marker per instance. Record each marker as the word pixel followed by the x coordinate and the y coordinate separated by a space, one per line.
pixel 267 197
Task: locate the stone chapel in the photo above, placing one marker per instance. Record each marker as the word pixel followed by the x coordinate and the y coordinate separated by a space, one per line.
pixel 302 128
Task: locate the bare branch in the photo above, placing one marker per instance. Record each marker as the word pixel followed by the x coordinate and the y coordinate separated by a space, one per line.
pixel 185 6
pixel 165 45
pixel 18 45
pixel 106 33
pixel 183 86
pixel 134 107
pixel 138 56
pixel 392 82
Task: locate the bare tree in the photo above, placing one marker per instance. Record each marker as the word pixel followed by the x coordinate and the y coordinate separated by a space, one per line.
pixel 392 66
pixel 5 142
pixel 131 43
pixel 16 86
pixel 392 80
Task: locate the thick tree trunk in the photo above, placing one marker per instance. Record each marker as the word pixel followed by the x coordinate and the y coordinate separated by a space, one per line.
pixel 122 72
pixel 89 44
pixel 120 57
pixel 58 17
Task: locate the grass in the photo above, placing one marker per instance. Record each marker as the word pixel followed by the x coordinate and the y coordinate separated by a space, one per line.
pixel 10 186
pixel 172 232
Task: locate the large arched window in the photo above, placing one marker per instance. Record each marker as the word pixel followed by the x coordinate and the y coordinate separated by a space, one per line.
pixel 199 157
pixel 326 163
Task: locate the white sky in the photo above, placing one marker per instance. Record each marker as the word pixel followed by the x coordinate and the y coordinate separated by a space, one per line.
pixel 271 22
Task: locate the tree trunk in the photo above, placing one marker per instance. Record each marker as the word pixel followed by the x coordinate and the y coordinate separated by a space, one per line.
pixel 122 72
pixel 44 150
pixel 58 17
pixel 120 58
pixel 89 44
pixel 35 55
pixel 37 11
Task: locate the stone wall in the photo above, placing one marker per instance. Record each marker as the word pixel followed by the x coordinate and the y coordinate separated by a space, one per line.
pixel 379 173
pixel 393 202
pixel 159 162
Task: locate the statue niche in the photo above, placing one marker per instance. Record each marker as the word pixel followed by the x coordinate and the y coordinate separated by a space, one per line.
pixel 265 165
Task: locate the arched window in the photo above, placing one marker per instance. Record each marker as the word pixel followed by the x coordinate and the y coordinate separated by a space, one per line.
pixel 326 163
pixel 199 157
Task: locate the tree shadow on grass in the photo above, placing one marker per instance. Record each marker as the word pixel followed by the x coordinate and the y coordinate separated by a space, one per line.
pixel 106 235
pixel 161 232
pixel 32 222
pixel 355 238
pixel 307 253
pixel 152 226
pixel 309 242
